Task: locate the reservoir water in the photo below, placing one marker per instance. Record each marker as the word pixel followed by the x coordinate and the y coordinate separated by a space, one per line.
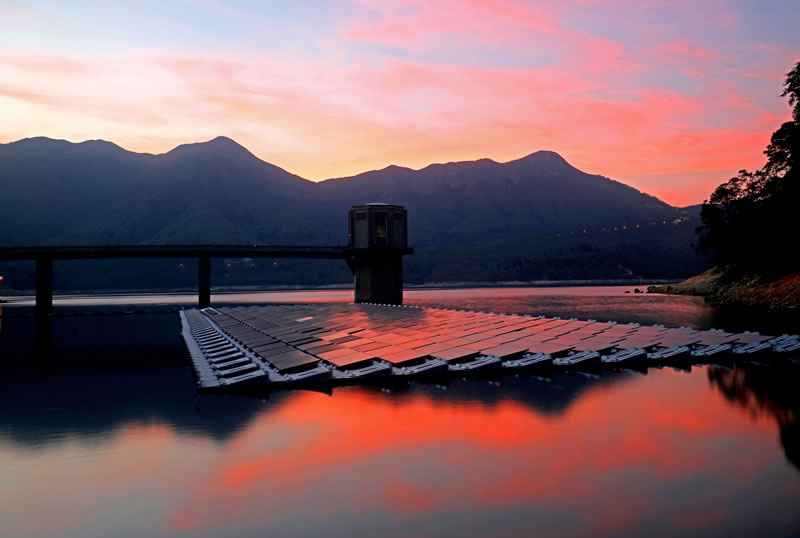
pixel 110 437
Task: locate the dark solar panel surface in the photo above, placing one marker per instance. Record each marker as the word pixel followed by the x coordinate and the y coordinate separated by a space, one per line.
pixel 291 337
pixel 455 353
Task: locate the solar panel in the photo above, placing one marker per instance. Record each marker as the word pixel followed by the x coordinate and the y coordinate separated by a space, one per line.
pixel 403 356
pixel 550 348
pixel 680 340
pixel 573 337
pixel 370 346
pixel 553 323
pixel 541 337
pixel 330 355
pixel 398 340
pixel 351 359
pixel 591 325
pixel 596 343
pixel 620 328
pixel 454 354
pixel 433 348
pixel 751 338
pixel 506 351
pixel 316 349
pixel 629 343
pixel 713 337
pixel 344 339
pixel 266 347
pixel 258 341
pixel 293 360
pixel 559 331
pixel 498 340
pixel 477 346
pixel 368 333
pixel 275 351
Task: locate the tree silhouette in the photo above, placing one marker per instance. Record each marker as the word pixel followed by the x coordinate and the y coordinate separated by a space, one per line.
pixel 750 221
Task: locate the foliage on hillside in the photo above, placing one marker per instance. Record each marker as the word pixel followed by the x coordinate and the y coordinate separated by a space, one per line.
pixel 750 223
pixel 751 220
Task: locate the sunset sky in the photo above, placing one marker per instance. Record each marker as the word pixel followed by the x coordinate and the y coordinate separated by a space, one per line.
pixel 669 96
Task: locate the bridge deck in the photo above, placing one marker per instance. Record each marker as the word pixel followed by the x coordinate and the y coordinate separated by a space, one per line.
pixel 45 255
pixel 172 251
pixel 281 345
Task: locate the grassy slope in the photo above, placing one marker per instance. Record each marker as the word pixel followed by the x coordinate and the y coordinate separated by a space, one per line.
pixel 725 285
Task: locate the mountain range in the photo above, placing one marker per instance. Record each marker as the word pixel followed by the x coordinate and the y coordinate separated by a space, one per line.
pixel 533 218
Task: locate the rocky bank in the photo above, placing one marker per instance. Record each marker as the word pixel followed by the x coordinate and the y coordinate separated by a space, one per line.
pixel 727 286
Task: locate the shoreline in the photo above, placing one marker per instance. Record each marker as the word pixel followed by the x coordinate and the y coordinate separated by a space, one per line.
pixel 328 287
pixel 725 286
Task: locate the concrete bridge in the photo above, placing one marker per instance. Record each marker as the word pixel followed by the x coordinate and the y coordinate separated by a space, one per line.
pixel 378 240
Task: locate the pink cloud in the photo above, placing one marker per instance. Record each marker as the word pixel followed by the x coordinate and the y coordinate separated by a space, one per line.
pixel 410 24
pixel 320 121
pixel 688 49
pixel 597 55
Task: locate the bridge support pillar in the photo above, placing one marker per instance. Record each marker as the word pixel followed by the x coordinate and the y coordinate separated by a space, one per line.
pixel 378 278
pixel 44 308
pixel 44 287
pixel 203 282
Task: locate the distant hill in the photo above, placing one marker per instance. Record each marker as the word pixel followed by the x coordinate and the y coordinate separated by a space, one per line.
pixel 479 200
pixel 56 192
pixel 533 218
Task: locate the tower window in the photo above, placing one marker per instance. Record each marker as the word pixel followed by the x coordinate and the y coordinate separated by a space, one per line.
pixel 380 229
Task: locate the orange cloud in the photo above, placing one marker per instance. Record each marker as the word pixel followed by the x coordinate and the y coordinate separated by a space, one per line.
pixel 394 112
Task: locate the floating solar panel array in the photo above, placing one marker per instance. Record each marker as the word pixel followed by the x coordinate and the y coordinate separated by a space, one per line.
pixel 285 344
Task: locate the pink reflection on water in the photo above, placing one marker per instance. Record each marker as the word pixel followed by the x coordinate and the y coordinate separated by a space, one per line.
pixel 413 457
pixel 664 452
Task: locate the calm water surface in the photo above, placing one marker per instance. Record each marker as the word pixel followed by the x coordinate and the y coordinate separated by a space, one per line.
pixel 110 437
